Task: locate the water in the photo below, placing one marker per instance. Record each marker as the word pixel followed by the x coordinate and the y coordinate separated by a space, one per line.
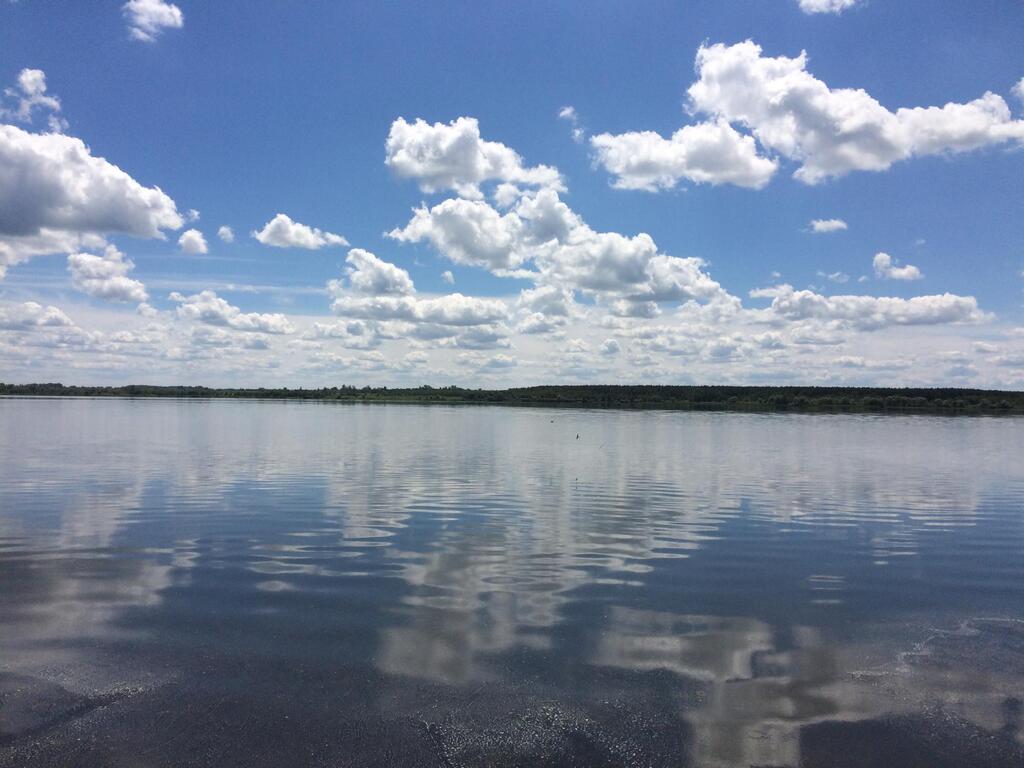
pixel 267 583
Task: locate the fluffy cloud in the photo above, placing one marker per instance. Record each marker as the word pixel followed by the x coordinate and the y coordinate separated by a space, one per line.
pixel 448 277
pixel 467 232
pixel 550 220
pixel 282 232
pixel 706 153
pixel 147 19
pixel 379 291
pixel 870 312
pixel 454 156
pixel 207 307
pixel 825 226
pixel 338 330
pixel 21 317
pixel 565 252
pixel 478 337
pixel 826 6
pixel 50 181
pixel 614 265
pixel 585 279
pixel 886 269
pixel 376 277
pixel 549 300
pixel 226 234
pixel 538 323
pixel 452 309
pixel 54 194
pixel 354 334
pixel 30 96
pixel 16 249
pixel 106 276
pixel 600 305
pixel 828 131
pixel 832 131
pixel 192 241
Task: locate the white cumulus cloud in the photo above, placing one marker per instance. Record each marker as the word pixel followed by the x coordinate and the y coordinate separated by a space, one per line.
pixel 549 300
pixel 826 6
pixel 226 234
pixel 886 269
pixel 543 232
pixel 454 156
pixel 55 197
pixel 870 312
pixel 51 181
pixel 192 241
pixel 375 277
pixel 706 153
pixel 828 132
pixel 207 307
pixel 379 291
pixel 20 317
pixel 468 232
pixel 824 226
pixel 282 232
pixel 451 309
pixel 833 131
pixel 106 276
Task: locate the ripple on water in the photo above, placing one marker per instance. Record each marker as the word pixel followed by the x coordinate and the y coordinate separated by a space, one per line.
pixel 739 589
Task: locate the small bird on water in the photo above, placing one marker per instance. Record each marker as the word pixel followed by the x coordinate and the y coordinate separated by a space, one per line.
pixel 577 435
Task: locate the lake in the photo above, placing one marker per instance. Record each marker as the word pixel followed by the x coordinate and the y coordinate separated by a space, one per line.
pixel 257 583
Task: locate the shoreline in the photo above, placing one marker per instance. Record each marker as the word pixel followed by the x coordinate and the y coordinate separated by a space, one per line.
pixel 753 399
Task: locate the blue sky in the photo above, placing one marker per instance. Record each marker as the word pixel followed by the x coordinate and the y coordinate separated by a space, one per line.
pixel 241 115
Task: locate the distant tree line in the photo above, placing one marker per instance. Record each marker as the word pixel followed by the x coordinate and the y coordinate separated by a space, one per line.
pixel 704 398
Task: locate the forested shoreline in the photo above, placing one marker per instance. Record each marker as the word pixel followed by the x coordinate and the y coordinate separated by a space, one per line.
pixel 705 398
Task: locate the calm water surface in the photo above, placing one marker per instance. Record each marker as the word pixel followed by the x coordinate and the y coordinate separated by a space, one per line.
pixel 265 583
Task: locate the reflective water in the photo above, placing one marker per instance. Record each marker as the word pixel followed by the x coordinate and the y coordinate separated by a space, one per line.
pixel 267 583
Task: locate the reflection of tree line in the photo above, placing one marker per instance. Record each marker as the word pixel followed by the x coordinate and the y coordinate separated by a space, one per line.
pixel 706 398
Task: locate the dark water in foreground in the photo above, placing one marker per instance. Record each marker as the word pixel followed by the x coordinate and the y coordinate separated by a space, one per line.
pixel 271 584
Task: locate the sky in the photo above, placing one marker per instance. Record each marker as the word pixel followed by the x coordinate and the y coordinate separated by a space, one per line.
pixel 487 195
